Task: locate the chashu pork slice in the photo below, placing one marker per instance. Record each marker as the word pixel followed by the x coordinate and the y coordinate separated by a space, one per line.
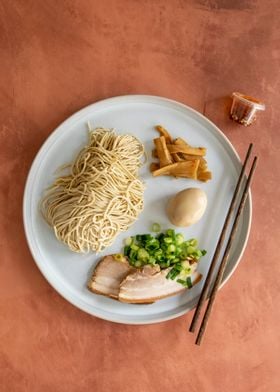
pixel 108 275
pixel 149 284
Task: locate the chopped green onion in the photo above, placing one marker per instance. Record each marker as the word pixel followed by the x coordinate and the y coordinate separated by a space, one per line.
pixel 160 236
pixel 164 264
pixel 170 233
pixel 190 250
pixel 178 250
pixel 134 247
pixel 142 254
pixel 189 282
pixel 147 237
pixel 132 255
pixel 179 239
pixel 181 281
pixel 171 248
pixel 185 264
pixel 152 244
pixel 172 273
pixel 156 228
pixel 158 253
pixel 119 257
pixel 128 241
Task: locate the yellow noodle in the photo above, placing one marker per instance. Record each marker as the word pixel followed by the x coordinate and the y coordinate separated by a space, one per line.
pixel 101 197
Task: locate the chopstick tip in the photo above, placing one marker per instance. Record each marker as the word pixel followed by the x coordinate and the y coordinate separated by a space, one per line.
pixel 192 329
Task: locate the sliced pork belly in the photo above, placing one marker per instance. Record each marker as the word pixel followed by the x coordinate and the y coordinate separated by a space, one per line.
pixel 108 275
pixel 149 284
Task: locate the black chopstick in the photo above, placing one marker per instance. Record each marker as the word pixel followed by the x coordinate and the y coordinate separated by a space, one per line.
pixel 208 279
pixel 223 264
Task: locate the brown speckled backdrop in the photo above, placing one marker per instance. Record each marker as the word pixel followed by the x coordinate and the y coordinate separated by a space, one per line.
pixel 55 58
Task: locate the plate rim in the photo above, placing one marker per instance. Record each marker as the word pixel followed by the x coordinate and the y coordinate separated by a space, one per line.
pixel 138 98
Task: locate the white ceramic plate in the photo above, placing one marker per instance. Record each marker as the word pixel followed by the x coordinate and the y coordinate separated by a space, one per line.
pixel 68 272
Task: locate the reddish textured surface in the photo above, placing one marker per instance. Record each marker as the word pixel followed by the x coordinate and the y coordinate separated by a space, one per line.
pixel 58 56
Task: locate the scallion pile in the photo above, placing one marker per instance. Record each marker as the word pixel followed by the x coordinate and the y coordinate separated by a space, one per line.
pixel 168 249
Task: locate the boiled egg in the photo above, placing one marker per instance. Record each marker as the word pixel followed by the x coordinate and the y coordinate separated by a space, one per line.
pixel 187 207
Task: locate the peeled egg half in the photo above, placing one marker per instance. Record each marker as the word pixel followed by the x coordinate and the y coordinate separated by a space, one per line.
pixel 187 207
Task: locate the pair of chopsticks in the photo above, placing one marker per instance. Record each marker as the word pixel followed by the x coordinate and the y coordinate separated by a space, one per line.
pixel 206 287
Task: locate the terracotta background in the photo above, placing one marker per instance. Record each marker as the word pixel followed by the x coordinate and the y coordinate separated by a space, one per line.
pixel 55 58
